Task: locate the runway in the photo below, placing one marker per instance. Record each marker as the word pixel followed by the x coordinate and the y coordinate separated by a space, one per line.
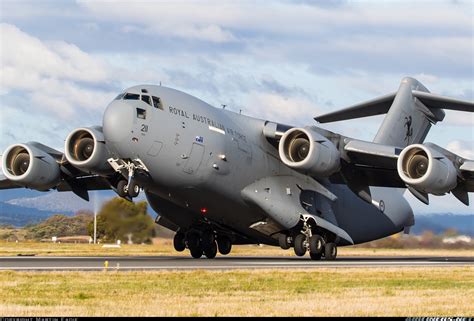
pixel 219 263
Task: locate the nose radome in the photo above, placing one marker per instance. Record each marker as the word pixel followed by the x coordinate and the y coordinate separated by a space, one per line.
pixel 117 121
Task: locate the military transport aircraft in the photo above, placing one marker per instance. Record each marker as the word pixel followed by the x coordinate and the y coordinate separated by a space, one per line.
pixel 219 178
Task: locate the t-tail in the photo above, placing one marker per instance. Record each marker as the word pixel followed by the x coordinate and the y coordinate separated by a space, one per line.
pixel 410 112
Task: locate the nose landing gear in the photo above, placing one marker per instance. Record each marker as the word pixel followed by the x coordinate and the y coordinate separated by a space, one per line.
pixel 128 186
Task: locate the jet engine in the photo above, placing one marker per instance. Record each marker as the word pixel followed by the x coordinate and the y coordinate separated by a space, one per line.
pixel 309 152
pixel 85 149
pixel 426 170
pixel 29 166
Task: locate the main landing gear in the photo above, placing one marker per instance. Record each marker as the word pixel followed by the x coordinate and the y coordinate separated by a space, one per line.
pixel 127 187
pixel 201 243
pixel 308 239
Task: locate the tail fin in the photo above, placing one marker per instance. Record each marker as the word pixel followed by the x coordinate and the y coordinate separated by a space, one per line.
pixel 410 113
pixel 408 121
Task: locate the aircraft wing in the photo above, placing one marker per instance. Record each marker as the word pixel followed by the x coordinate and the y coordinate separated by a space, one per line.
pixel 371 164
pixel 71 178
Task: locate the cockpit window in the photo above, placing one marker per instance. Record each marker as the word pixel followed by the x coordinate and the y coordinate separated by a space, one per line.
pixel 157 102
pixel 146 99
pixel 120 96
pixel 130 96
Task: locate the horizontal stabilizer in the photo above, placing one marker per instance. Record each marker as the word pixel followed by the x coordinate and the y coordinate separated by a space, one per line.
pixel 382 104
pixel 436 101
pixel 373 107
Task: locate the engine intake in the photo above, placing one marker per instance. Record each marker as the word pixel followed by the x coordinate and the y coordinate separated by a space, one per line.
pixel 29 166
pixel 85 149
pixel 309 152
pixel 426 170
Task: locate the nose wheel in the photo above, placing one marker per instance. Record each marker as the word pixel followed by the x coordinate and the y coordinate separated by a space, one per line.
pixel 127 187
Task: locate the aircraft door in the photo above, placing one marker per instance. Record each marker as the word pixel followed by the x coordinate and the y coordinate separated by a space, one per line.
pixel 194 159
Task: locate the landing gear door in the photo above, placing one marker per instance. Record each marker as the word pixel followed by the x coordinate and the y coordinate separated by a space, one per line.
pixel 194 159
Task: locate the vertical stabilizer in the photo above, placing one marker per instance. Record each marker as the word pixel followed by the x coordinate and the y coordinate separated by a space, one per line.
pixel 408 120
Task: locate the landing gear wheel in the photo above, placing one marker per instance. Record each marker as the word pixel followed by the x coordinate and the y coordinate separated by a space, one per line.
pixel 315 256
pixel 196 252
pixel 300 248
pixel 283 241
pixel 133 189
pixel 330 251
pixel 211 250
pixel 207 238
pixel 122 188
pixel 179 242
pixel 316 244
pixel 224 244
pixel 192 239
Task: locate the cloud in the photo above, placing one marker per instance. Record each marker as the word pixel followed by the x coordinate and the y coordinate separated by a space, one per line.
pixel 463 148
pixel 52 73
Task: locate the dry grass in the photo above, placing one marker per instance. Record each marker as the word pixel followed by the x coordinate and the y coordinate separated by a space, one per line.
pixel 164 247
pixel 403 291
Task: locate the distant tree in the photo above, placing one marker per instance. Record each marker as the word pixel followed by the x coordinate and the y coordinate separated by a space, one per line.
pixel 118 218
pixel 450 232
pixel 60 225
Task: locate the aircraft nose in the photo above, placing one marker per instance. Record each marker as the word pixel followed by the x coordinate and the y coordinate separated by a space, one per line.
pixel 117 122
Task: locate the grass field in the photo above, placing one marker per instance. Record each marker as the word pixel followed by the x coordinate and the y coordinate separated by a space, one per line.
pixel 165 247
pixel 324 292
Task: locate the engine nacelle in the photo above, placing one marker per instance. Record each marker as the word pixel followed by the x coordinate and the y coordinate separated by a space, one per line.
pixel 309 152
pixel 29 166
pixel 85 149
pixel 426 170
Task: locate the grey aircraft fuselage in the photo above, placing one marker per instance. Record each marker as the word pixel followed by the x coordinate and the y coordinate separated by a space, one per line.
pixel 200 158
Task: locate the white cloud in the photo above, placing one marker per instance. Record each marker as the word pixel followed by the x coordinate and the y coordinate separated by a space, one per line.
pixel 26 59
pixel 463 148
pixel 51 73
pixel 279 108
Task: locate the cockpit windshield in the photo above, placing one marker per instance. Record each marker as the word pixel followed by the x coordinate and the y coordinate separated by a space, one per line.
pixel 130 96
pixel 150 100
pixel 146 99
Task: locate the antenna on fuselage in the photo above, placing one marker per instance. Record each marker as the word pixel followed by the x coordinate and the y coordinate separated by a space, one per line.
pixel 223 106
pixel 160 83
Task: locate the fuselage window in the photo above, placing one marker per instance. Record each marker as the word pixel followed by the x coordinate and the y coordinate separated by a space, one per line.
pixel 146 99
pixel 157 102
pixel 129 96
pixel 141 113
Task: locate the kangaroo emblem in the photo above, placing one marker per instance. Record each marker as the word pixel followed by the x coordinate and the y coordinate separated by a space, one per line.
pixel 409 131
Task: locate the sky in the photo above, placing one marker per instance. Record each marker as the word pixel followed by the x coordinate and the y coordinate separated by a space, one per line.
pixel 62 62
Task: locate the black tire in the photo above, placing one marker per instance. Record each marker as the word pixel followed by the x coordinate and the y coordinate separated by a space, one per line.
pixel 316 244
pixel 193 240
pixel 224 245
pixel 133 189
pixel 179 242
pixel 283 241
pixel 330 251
pixel 196 252
pixel 207 238
pixel 299 248
pixel 122 188
pixel 315 256
pixel 211 250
